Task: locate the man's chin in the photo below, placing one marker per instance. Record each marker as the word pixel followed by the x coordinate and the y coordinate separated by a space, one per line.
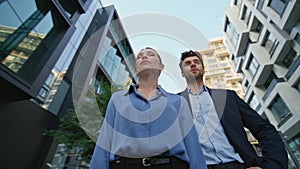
pixel 193 78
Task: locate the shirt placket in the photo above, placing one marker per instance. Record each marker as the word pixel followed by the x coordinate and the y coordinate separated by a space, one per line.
pixel 204 114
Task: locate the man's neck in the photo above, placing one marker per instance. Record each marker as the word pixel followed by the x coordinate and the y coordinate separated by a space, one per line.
pixel 195 86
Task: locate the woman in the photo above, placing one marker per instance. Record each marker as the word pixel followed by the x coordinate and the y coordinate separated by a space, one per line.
pixel 147 127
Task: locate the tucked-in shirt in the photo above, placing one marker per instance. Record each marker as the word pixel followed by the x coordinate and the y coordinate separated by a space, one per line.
pixel 135 127
pixel 214 142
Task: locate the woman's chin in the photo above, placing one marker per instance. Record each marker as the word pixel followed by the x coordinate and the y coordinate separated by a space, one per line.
pixel 147 69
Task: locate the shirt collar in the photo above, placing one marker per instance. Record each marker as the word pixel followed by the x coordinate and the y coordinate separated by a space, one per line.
pixel 203 89
pixel 133 88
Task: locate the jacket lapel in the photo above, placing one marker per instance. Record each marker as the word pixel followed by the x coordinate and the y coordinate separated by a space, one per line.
pixel 219 99
pixel 185 94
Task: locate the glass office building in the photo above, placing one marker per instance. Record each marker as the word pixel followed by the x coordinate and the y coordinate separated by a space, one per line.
pixel 46 46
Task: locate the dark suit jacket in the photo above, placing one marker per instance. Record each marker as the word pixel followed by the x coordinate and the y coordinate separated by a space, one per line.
pixel 235 114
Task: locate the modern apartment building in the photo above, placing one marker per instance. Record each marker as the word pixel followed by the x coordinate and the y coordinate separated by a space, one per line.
pixel 46 48
pixel 263 37
pixel 219 72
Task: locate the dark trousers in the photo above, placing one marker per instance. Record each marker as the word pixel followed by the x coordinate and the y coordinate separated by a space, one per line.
pixel 149 163
pixel 229 165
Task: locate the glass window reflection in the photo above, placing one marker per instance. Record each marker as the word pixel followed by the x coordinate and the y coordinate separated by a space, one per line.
pixel 6 11
pixel 69 7
pixel 24 8
pixel 22 36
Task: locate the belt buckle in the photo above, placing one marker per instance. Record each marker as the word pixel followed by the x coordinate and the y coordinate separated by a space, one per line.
pixel 146 162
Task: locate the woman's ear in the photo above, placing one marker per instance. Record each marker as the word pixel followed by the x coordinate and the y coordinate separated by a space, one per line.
pixel 162 66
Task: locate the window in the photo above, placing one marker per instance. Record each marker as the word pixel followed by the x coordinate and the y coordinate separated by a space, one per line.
pixel 227 70
pixel 231 32
pixel 212 60
pixel 290 58
pixel 215 66
pixel 237 2
pixel 246 86
pixel 279 109
pixel 50 80
pixel 246 15
pixel 256 26
pixel 269 79
pixel 260 6
pixel 297 85
pixel 253 101
pixel 278 6
pixel 253 65
pixel 43 93
pixel 27 35
pixel 236 59
pixel 294 145
pixel 69 9
pixel 297 38
pixel 224 64
pixel 270 43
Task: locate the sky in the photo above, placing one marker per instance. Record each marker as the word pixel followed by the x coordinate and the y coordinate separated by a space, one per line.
pixel 171 27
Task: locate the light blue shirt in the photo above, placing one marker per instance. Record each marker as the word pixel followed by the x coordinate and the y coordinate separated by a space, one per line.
pixel 215 145
pixel 136 127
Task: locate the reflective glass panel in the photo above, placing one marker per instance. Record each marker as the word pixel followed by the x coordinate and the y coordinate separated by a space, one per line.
pixel 22 37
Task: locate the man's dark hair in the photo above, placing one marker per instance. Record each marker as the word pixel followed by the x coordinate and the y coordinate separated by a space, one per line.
pixel 190 53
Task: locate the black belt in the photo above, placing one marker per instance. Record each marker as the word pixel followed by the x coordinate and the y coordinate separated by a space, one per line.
pixel 228 165
pixel 147 161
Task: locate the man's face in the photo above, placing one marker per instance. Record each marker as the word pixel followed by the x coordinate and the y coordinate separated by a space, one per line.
pixel 192 68
pixel 147 59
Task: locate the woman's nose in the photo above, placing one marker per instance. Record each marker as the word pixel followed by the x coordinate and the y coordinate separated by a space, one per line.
pixel 144 57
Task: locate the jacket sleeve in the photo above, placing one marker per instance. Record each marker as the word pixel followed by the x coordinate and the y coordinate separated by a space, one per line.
pixel 273 151
pixel 193 148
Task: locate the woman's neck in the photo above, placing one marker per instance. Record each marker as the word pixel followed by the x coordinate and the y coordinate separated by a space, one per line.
pixel 147 86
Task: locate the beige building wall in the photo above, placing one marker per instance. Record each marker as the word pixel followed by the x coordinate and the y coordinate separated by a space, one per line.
pixel 219 71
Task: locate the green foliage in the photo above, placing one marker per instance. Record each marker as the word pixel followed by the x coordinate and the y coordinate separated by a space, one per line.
pixel 78 128
pixel 72 135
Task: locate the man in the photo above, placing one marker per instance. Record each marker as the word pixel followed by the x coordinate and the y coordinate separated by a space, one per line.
pixel 220 117
pixel 146 127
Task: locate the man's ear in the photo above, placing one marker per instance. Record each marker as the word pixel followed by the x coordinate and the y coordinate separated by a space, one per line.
pixel 182 74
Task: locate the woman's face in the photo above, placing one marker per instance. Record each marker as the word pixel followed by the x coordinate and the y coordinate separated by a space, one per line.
pixel 148 59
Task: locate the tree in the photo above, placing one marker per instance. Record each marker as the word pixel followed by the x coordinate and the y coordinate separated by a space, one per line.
pixel 73 132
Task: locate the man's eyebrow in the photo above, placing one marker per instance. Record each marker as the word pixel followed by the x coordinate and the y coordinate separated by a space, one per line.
pixel 187 61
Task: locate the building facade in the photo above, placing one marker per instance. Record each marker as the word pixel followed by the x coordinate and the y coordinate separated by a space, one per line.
pixel 219 72
pixel 46 48
pixel 263 37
